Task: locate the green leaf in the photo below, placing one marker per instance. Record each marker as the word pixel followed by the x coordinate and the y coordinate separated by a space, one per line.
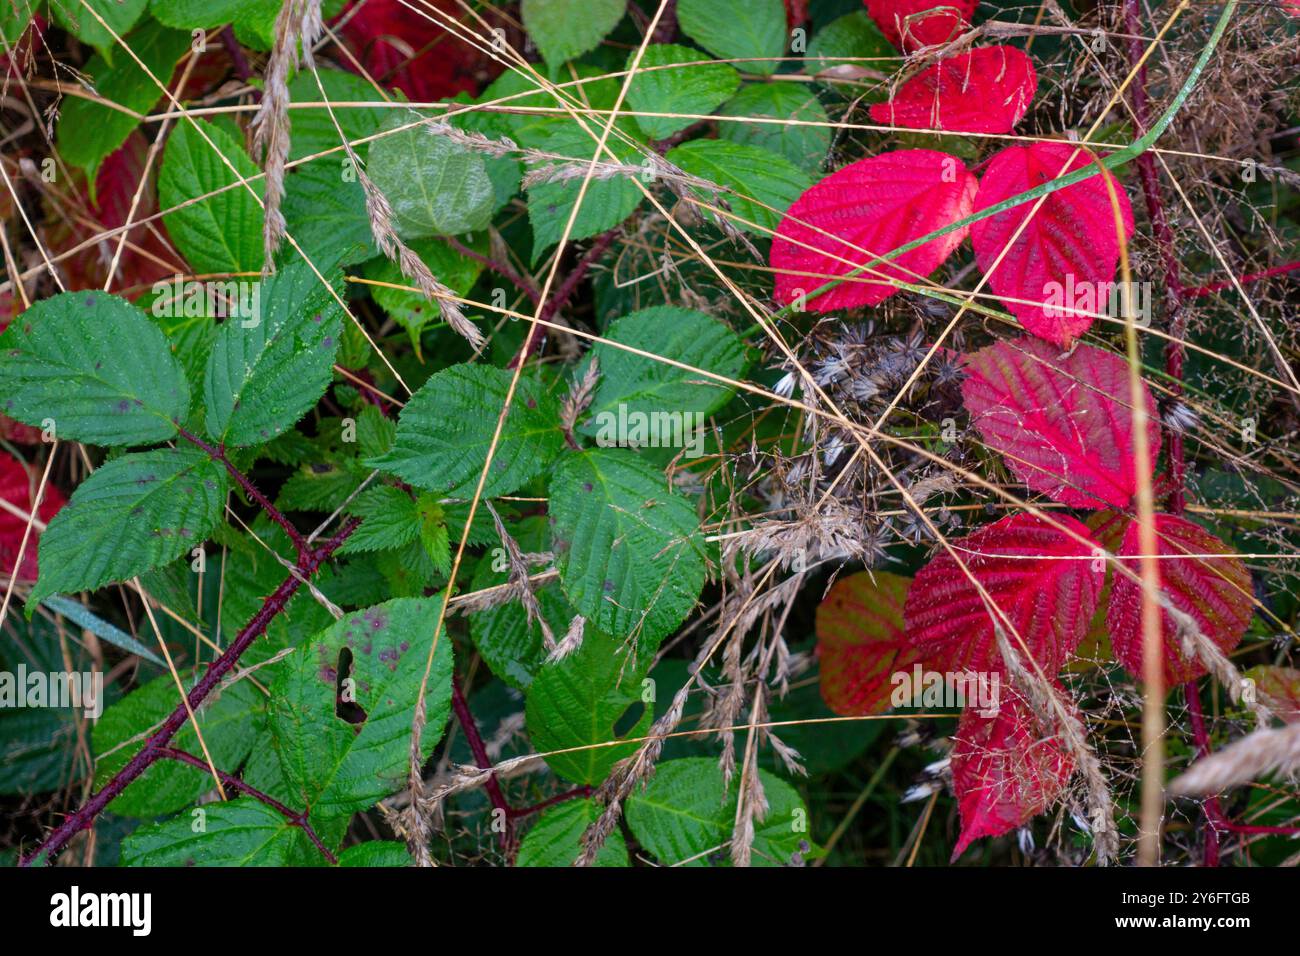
pixel 436 187
pixel 738 29
pixel 446 428
pixel 671 401
pixel 512 645
pixel 338 767
pixel 804 146
pixel 564 29
pixel 135 513
pixel 627 547
pixel 82 616
pixel 14 19
pixel 247 16
pixel 389 520
pixel 700 88
pixel 852 37
pixel 411 310
pixel 762 184
pixel 607 201
pixel 88 131
pixel 325 212
pixel 312 130
pixel 685 815
pixel 226 720
pixel 588 701
pixel 95 365
pixel 119 15
pixel 223 233
pixel 239 832
pixel 556 838
pixel 376 853
pixel 262 378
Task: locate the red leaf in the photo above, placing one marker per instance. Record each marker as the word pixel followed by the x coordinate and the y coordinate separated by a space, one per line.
pixel 1214 590
pixel 1063 424
pixel 869 208
pixel 413 53
pixel 860 642
pixel 1064 260
pixel 986 90
pixel 1031 570
pixel 17 485
pixel 1004 771
pixel 1279 688
pixel 913 25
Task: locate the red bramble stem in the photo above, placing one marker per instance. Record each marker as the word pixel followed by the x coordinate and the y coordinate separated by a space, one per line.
pixel 234 783
pixel 482 761
pixel 155 747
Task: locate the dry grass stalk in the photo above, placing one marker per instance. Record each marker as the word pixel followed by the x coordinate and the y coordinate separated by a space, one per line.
pixel 298 27
pixel 519 585
pixel 1272 750
pixel 571 642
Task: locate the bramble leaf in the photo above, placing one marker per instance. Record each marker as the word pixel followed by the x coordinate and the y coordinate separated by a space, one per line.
pixel 556 838
pixel 662 87
pixel 751 31
pixel 909 26
pixel 861 643
pixel 1004 771
pixel 633 386
pixel 762 184
pixel 585 703
pixel 627 546
pixel 865 210
pixel 134 513
pixel 685 818
pixel 343 753
pixel 1045 580
pixel 447 427
pixel 223 233
pixel 1064 424
pixel 804 143
pixel 564 29
pixel 239 832
pixel 986 90
pixel 436 187
pixel 17 486
pixel 264 374
pixel 1200 576
pixel 92 364
pixel 1058 274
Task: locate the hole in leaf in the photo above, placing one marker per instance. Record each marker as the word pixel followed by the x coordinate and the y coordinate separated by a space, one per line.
pixel 345 691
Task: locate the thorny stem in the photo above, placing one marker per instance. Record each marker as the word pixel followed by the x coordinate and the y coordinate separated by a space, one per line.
pixel 300 820
pixel 154 747
pixel 562 295
pixel 236 52
pixel 502 268
pixel 483 762
pixel 584 791
pixel 1213 812
pixel 1150 179
pixel 219 454
pixel 1203 290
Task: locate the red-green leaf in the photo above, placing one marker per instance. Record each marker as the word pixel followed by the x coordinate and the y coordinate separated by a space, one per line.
pixel 1063 424
pixel 915 24
pixel 986 90
pixel 860 642
pixel 1035 573
pixel 1004 771
pixel 1063 263
pixel 1200 576
pixel 1279 689
pixel 865 210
